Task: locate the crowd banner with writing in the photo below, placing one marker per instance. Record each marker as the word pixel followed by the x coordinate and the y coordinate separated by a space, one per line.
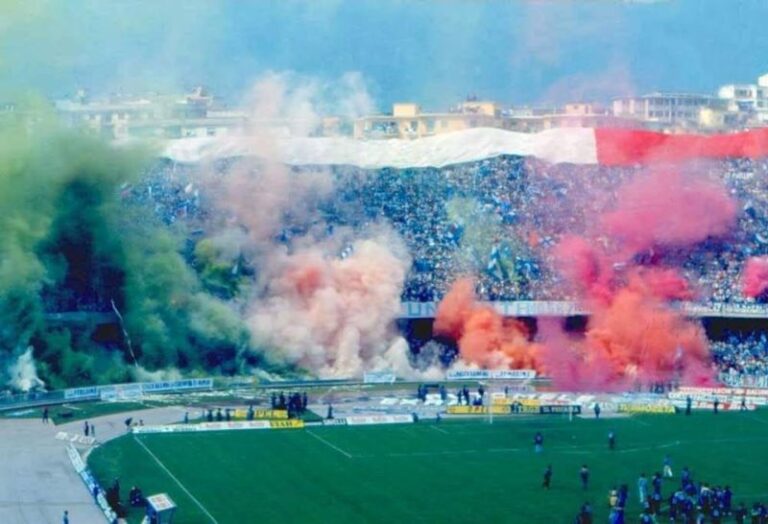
pixel 645 408
pixel 121 392
pixel 564 308
pixel 379 377
pixel 335 422
pixel 136 390
pixel 477 410
pixel 680 397
pixel 268 414
pixel 737 392
pixel 90 392
pixel 487 374
pixel 560 410
pixel 205 426
pixel 516 409
pixel 91 483
pixel 292 423
pixel 362 420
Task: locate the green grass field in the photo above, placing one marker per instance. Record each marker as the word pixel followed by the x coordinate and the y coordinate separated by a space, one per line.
pixel 454 472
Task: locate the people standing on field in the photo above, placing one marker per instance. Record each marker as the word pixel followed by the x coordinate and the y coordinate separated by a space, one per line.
pixel 667 467
pixel 585 514
pixel 642 488
pixel 547 477
pixel 584 475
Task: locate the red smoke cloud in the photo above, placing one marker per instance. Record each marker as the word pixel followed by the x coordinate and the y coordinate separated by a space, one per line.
pixel 755 277
pixel 668 208
pixel 484 337
pixel 634 335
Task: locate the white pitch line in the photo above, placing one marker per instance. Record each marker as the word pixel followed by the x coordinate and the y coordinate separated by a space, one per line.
pixel 321 439
pixel 440 430
pixel 175 479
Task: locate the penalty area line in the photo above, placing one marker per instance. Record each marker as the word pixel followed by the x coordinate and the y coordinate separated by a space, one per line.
pixel 321 439
pixel 190 495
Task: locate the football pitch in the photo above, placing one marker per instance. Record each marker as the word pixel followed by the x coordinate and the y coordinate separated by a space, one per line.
pixel 457 471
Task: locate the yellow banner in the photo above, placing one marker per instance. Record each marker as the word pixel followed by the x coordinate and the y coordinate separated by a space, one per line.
pixel 645 408
pixel 290 423
pixel 261 414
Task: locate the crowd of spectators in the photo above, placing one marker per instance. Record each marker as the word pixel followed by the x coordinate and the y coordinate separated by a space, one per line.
pixel 741 355
pixel 497 218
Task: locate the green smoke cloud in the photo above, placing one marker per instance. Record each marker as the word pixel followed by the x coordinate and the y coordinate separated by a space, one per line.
pixel 71 242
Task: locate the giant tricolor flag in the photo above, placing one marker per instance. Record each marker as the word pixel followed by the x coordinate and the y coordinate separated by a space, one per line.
pixel 610 147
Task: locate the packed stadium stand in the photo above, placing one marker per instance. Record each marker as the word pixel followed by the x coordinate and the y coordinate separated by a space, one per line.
pixel 498 209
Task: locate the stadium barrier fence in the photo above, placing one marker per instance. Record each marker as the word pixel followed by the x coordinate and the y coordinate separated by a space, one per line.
pixel 90 482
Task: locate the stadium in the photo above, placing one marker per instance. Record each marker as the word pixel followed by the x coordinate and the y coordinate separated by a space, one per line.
pixel 234 288
pixel 475 319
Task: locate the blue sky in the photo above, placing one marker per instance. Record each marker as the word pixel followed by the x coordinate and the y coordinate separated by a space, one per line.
pixel 433 52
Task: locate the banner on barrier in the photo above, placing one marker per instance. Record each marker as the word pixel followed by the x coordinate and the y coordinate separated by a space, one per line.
pixel 645 408
pixel 335 422
pixel 518 408
pixel 121 392
pixel 205 426
pixel 509 401
pixel 112 391
pixel 290 423
pixel 565 308
pixel 710 397
pixel 523 409
pixel 477 410
pixel 379 377
pixel 362 420
pixel 177 385
pixel 80 393
pixel 560 410
pixel 488 374
pixel 258 414
pixel 735 392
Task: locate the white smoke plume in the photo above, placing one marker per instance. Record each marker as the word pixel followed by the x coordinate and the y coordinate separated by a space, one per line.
pixel 140 374
pixel 333 316
pixel 22 373
pixel 325 302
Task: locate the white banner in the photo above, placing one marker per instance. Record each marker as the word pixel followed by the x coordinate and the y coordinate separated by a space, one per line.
pixel 176 385
pixel 731 392
pixel 135 390
pixel 379 377
pixel 335 422
pixel 121 392
pixel 364 420
pixel 205 426
pixel 80 393
pixel 488 374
